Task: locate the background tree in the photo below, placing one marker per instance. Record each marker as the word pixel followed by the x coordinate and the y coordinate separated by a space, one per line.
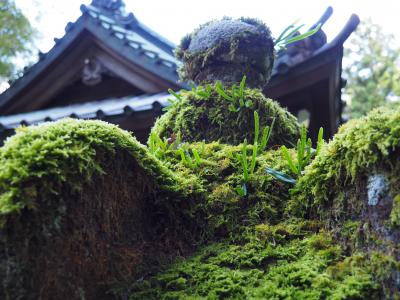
pixel 371 69
pixel 16 38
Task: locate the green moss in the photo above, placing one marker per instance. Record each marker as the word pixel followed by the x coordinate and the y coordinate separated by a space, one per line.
pixel 359 149
pixel 78 200
pixel 301 265
pixel 395 213
pixel 226 50
pixel 228 214
pixel 65 153
pixel 197 118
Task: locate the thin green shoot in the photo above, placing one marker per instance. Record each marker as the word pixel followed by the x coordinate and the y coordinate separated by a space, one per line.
pixel 304 153
pixel 241 91
pixel 172 102
pixel 303 36
pixel 176 95
pixel 320 141
pixel 290 35
pixel 288 158
pixel 255 144
pixel 266 135
pixel 244 161
pixel 221 91
pixel 196 157
pixel 236 97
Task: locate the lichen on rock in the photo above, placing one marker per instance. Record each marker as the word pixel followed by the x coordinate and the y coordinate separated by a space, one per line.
pixel 377 188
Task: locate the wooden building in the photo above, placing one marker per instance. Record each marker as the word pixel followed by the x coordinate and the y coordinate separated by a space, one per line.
pixel 110 66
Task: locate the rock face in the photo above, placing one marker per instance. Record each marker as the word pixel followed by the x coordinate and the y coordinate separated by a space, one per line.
pixel 226 50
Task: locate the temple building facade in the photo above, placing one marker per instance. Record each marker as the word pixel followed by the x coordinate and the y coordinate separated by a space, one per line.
pixel 112 67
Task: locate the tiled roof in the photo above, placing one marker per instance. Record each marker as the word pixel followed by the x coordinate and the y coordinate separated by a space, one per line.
pixel 161 52
pixel 90 110
pixel 124 34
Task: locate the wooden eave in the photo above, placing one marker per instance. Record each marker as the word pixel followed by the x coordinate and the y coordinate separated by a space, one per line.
pixel 65 60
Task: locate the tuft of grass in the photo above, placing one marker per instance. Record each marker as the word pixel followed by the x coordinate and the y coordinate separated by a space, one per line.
pixel 236 97
pixel 304 152
pixel 291 34
pixel 256 149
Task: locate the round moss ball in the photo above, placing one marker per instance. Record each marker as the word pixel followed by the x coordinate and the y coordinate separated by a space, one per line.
pixel 205 115
pixel 226 50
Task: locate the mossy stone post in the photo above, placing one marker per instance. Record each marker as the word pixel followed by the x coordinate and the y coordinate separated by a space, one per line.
pixel 221 53
pixel 226 50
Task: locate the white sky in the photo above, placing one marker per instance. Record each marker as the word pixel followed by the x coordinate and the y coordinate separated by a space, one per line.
pixel 174 18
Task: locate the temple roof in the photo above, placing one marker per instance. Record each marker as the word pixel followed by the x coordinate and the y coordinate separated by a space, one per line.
pixel 119 36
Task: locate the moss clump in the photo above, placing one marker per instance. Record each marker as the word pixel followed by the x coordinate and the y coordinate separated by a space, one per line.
pixel 359 163
pixel 84 205
pixel 208 118
pixel 360 148
pixel 395 213
pixel 297 265
pixel 226 50
pixel 220 172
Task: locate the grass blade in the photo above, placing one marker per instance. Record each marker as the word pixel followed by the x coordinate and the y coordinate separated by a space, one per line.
pixel 320 141
pixel 244 161
pixel 264 139
pixel 288 158
pixel 221 91
pixel 177 96
pixel 253 158
pixel 256 127
pixel 196 156
pixel 303 36
pixel 280 37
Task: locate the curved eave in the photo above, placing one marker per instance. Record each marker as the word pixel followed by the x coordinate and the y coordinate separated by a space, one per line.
pixel 109 41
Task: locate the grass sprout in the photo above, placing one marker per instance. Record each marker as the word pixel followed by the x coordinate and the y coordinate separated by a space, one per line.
pixel 291 34
pixel 304 155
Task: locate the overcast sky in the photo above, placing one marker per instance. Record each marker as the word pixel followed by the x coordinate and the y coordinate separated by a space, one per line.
pixel 174 18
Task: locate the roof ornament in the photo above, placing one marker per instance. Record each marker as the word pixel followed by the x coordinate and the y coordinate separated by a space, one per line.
pixel 109 5
pixel 116 9
pixel 92 72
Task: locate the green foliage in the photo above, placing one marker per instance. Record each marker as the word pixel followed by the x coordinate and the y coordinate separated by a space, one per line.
pixel 236 99
pixel 172 101
pixel 372 70
pixel 16 36
pixel 291 34
pixel 256 149
pixel 304 154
